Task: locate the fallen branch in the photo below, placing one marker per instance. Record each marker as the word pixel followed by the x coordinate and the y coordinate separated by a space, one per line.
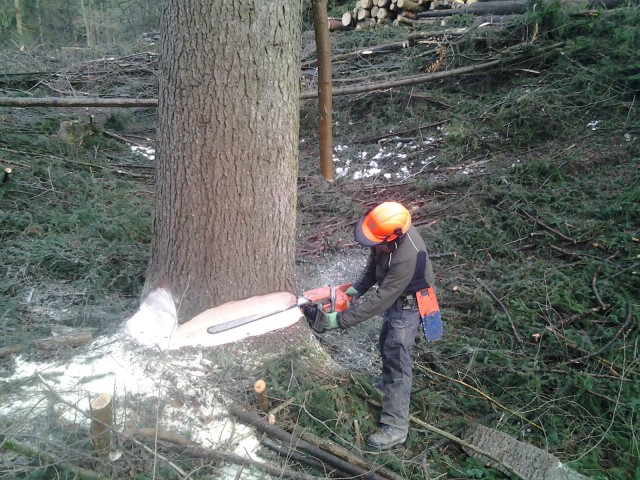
pixel 547 227
pixel 153 102
pixel 457 440
pixel 575 347
pixel 289 453
pixel 504 309
pixel 77 102
pixel 482 394
pixel 605 347
pixel 377 138
pixel 74 407
pixel 261 424
pixel 276 471
pixel 163 435
pixel 594 288
pixel 46 459
pixel 349 456
pixel 512 7
pixel 441 255
pixel 74 338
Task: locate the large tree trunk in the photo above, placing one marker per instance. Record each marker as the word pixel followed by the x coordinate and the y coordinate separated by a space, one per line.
pixel 224 225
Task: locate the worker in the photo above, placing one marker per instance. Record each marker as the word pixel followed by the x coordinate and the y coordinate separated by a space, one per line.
pixel 400 266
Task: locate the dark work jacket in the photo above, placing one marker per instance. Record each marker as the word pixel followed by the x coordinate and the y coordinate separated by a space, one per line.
pixel 403 271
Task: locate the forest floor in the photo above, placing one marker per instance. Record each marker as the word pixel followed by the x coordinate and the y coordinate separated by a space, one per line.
pixel 524 182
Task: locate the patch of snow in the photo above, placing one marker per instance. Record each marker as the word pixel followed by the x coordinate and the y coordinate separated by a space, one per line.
pixel 147 152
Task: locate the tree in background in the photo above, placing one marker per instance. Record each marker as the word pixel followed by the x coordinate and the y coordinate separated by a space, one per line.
pixel 227 152
pixel 76 22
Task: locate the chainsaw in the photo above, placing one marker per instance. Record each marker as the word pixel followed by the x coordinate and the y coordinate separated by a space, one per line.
pixel 328 298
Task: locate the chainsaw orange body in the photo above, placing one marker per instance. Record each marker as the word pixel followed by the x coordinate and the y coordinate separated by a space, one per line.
pixel 329 299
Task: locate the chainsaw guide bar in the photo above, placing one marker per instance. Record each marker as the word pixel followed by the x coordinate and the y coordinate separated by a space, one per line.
pixel 330 299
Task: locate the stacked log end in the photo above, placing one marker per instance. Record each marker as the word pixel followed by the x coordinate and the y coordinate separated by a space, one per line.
pixel 369 13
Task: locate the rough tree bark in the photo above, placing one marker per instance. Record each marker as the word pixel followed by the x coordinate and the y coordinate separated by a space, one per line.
pixel 225 203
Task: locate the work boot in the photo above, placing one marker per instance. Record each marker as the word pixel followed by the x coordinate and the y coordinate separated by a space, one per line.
pixel 387 437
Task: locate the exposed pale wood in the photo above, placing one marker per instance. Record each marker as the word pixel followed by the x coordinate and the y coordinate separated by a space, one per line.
pixel 101 421
pixel 363 13
pixel 347 19
pixel 363 25
pixel 409 5
pixel 382 13
pixel 335 24
pixel 260 387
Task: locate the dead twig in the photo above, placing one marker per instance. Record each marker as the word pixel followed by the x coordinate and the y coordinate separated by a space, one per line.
pixel 277 471
pixel 59 399
pixel 594 288
pixel 504 309
pixel 547 227
pixel 575 347
pixel 606 346
pixel 481 393
pixel 431 214
pixel 457 440
pixel 261 424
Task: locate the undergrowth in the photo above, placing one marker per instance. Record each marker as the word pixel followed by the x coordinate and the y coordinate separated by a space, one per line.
pixel 72 227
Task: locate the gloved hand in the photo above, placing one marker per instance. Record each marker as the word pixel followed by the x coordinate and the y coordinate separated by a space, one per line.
pixel 318 320
pixel 353 293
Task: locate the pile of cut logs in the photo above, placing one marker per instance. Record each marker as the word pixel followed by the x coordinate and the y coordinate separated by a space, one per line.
pixel 368 13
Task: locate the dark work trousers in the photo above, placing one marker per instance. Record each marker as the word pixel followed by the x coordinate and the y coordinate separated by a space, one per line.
pixel 399 330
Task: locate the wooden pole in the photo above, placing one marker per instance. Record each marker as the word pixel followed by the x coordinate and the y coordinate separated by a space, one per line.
pixel 325 86
pixel 101 421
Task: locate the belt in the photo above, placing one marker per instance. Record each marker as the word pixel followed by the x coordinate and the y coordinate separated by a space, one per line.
pixel 408 302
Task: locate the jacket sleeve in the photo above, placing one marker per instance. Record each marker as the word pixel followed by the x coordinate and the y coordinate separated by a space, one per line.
pixel 368 276
pixel 393 286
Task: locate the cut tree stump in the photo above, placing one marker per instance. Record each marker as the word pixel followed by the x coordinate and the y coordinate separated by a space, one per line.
pixel 101 421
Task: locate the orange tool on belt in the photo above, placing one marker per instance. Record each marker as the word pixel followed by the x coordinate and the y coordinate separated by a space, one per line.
pixel 429 313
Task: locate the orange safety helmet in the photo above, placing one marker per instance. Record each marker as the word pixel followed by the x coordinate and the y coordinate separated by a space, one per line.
pixel 381 224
